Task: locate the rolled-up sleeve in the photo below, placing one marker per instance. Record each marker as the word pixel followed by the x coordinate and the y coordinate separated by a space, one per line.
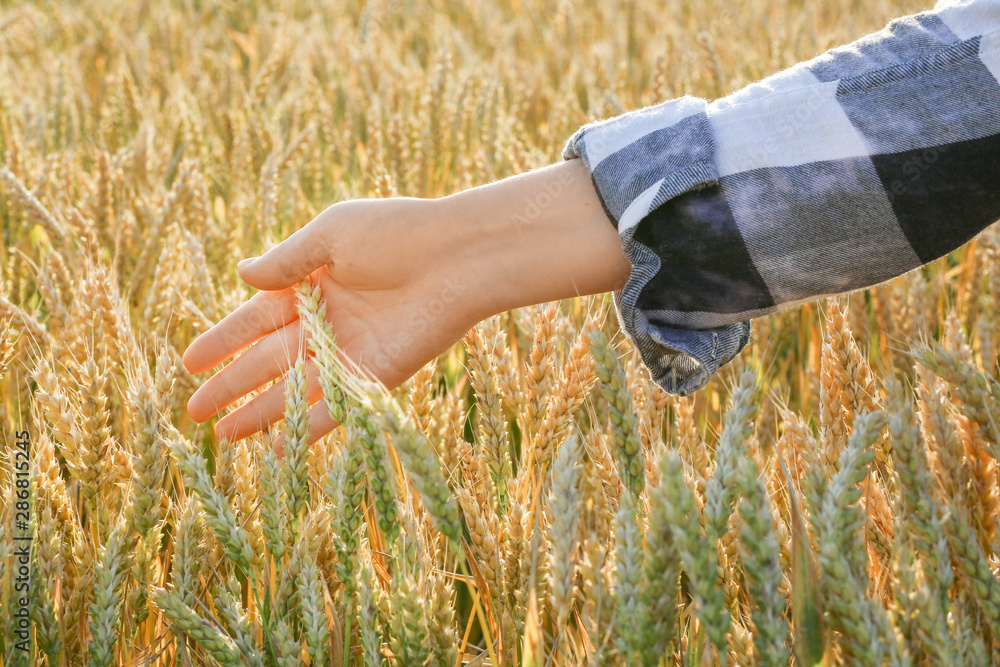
pixel 833 175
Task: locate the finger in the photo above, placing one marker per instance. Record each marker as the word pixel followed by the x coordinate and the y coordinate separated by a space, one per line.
pixel 320 423
pixel 261 314
pixel 264 409
pixel 291 260
pixel 265 361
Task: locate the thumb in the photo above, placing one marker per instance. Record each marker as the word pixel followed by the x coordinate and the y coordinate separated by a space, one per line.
pixel 291 260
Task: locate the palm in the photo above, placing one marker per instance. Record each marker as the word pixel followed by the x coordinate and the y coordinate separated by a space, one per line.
pixel 391 332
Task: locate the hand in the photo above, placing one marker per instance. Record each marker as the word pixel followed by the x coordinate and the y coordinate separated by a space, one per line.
pixel 403 280
pixel 398 293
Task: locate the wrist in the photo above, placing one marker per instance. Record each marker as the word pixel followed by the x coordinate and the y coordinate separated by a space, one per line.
pixel 536 237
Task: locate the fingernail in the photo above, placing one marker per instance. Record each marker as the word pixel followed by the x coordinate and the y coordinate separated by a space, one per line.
pixel 244 262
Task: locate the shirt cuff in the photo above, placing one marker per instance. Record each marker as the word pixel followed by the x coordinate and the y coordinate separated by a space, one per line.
pixel 638 161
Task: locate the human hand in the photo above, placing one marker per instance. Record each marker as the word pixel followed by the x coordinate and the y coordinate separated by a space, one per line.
pixel 399 291
pixel 403 280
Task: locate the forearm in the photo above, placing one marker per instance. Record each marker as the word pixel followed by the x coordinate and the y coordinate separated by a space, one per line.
pixel 536 237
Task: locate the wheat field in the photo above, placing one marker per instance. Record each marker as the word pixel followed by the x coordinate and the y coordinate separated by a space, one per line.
pixel 529 498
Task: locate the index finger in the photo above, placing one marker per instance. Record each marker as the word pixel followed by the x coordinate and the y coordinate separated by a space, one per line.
pixel 261 314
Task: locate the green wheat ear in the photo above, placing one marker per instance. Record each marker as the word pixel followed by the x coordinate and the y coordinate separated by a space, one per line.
pixel 807 612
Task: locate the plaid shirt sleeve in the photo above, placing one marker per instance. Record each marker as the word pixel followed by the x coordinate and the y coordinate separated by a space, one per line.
pixel 833 175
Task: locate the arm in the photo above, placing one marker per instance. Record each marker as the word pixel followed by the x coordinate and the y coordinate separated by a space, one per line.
pixel 404 279
pixel 824 178
pixel 833 175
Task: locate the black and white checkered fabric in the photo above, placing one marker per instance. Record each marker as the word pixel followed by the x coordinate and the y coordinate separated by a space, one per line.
pixel 833 175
